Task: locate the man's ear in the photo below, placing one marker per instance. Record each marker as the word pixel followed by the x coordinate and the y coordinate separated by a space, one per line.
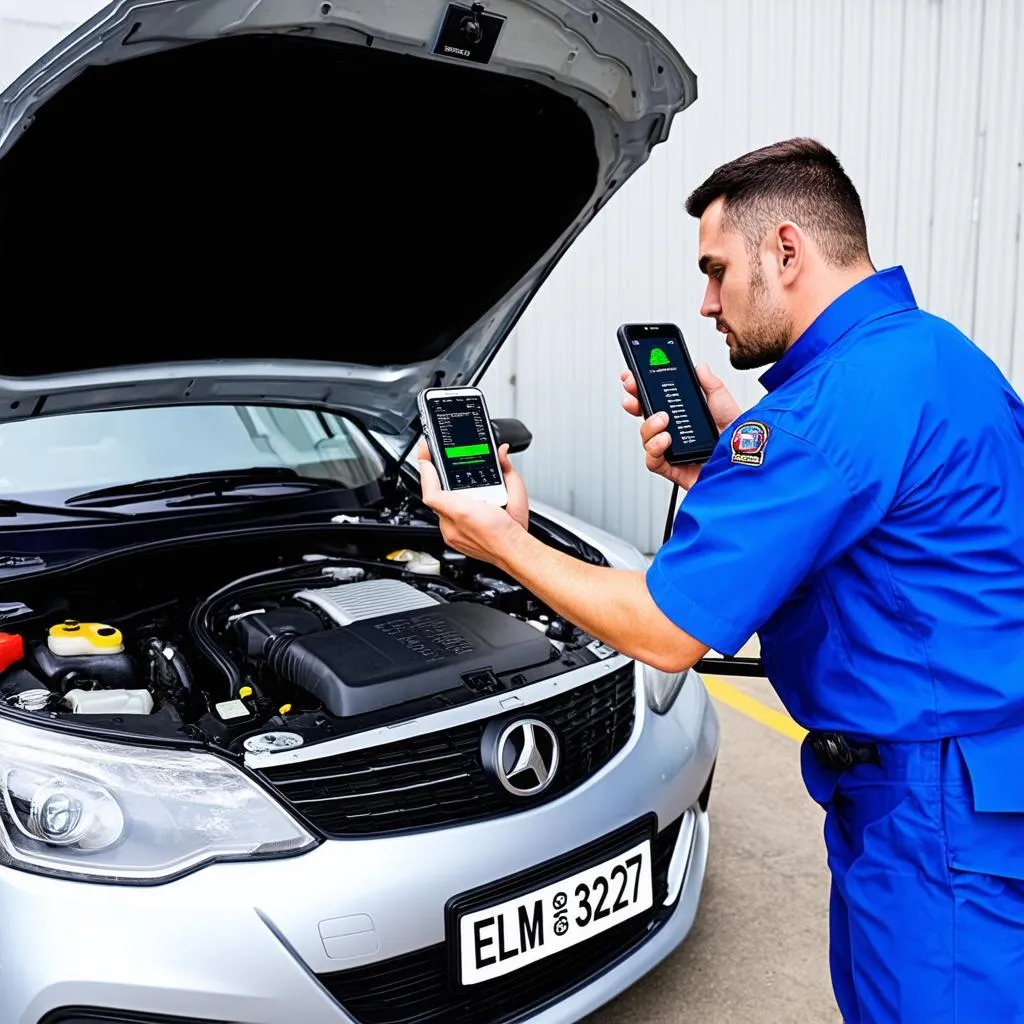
pixel 790 250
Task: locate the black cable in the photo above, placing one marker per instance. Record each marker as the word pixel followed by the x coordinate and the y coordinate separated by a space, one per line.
pixel 671 513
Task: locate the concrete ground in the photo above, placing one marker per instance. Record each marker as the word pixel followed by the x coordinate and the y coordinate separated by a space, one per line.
pixel 758 953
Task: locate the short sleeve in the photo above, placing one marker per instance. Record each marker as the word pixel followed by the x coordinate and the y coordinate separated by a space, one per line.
pixel 769 509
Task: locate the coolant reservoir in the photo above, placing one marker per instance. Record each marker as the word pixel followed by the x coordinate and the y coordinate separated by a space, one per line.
pixel 416 561
pixel 73 638
pixel 109 702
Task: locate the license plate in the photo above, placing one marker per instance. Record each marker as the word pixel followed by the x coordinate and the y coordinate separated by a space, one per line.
pixel 506 936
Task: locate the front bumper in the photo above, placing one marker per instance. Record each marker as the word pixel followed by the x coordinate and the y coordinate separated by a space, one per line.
pixel 269 942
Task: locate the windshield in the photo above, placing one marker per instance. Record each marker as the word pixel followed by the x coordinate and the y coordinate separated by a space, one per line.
pixel 66 454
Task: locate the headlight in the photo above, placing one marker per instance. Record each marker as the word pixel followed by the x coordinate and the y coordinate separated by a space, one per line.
pixel 108 812
pixel 662 687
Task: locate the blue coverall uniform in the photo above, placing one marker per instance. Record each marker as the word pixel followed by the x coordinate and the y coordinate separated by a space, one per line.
pixel 866 520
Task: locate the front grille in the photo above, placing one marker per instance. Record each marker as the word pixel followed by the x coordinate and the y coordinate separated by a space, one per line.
pixel 417 988
pixel 439 779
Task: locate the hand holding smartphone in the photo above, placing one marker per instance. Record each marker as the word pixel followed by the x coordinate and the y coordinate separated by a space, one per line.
pixel 666 381
pixel 458 432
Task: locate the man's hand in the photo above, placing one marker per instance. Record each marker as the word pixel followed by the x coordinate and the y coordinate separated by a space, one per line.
pixel 474 527
pixel 654 433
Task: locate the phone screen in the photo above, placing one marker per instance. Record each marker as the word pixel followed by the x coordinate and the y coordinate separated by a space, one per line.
pixel 460 432
pixel 671 388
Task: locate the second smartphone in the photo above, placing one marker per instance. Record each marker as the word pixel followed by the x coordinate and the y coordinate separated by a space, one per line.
pixel 458 431
pixel 666 381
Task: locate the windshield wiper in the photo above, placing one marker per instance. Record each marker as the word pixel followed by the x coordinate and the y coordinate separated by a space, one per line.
pixel 226 482
pixel 13 507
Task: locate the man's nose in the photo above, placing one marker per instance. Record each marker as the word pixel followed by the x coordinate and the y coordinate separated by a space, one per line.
pixel 710 306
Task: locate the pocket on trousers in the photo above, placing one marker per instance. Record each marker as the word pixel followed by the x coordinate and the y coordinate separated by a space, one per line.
pixel 984 803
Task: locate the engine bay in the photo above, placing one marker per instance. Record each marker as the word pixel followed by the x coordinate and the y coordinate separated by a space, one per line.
pixel 245 648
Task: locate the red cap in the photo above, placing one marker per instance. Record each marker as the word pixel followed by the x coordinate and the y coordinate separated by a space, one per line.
pixel 12 649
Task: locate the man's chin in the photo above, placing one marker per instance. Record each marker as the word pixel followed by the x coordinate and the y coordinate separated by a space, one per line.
pixel 749 360
pixel 746 359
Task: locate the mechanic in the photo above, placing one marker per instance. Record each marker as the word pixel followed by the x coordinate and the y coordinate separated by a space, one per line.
pixel 870 529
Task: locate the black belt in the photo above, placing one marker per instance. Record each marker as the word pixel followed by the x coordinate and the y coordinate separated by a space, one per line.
pixel 834 751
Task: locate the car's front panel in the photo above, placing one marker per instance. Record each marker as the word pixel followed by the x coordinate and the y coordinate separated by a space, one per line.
pixel 362 928
pixel 444 777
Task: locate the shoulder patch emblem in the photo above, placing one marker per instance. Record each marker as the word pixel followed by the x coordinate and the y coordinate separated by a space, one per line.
pixel 748 443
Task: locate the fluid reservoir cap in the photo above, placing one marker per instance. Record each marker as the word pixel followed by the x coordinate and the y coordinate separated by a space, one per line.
pixel 72 638
pixel 245 691
pixel 416 561
pixel 272 742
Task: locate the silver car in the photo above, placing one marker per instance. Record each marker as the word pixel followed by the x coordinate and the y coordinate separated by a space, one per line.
pixel 269 751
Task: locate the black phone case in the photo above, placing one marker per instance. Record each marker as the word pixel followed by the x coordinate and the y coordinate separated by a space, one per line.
pixel 673 458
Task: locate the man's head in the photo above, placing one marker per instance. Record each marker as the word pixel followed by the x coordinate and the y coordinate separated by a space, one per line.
pixel 782 234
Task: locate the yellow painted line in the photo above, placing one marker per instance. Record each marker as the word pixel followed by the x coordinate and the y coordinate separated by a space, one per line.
pixel 753 708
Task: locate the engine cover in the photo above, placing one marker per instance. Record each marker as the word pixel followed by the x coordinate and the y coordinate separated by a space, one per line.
pixel 397 657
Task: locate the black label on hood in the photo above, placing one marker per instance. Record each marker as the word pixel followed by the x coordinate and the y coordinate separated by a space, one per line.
pixel 467 33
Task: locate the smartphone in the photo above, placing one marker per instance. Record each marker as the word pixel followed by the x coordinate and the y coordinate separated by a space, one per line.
pixel 458 431
pixel 666 381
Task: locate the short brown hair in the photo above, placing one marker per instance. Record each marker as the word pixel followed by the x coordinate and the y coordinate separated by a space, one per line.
pixel 799 180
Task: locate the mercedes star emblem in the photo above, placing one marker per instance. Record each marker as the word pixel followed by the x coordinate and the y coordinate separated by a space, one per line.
pixel 526 756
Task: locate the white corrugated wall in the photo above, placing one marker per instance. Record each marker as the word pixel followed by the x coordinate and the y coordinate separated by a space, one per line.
pixel 28 28
pixel 922 99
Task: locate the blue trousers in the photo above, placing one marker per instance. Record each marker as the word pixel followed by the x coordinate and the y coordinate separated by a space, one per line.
pixel 926 855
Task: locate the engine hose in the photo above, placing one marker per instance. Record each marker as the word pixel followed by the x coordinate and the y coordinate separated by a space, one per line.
pixel 202 630
pixel 181 670
pixel 275 655
pixel 267 580
pixel 208 647
pixel 203 637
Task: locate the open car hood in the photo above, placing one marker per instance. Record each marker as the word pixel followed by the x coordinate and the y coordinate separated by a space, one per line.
pixel 313 203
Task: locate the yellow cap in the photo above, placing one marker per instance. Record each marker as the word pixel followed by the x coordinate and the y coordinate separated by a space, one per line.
pixel 86 638
pixel 284 709
pixel 245 691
